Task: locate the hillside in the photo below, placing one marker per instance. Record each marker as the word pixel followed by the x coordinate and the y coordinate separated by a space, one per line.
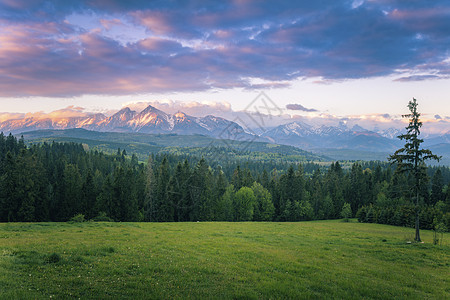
pixel 143 144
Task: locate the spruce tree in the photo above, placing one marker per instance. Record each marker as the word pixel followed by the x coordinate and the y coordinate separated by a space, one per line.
pixel 201 192
pixel 437 187
pixel 175 192
pixel 88 197
pixel 163 208
pixel 186 205
pixel 9 198
pixel 150 182
pixel 411 157
pixel 71 200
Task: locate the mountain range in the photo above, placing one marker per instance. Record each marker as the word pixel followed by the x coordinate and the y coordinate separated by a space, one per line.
pixel 310 137
pixel 339 142
pixel 150 120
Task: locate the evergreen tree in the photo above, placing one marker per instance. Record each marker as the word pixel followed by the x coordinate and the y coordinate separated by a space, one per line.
pixel 10 199
pixel 220 186
pixel 105 199
pixel 187 204
pixel 411 158
pixel 176 192
pixel 201 192
pixel 149 191
pixel 291 193
pixel 327 208
pixel 162 207
pixel 224 210
pixel 88 197
pixel 447 199
pixel 356 189
pixel 247 179
pixel 69 205
pixel 120 193
pixel 237 179
pixel 437 187
pixel 32 185
pixel 317 194
pixel 265 179
pixel 346 212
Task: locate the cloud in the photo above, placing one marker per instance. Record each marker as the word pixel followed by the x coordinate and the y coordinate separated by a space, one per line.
pixel 299 107
pixel 68 112
pixel 109 23
pixel 437 117
pixel 192 108
pixel 10 116
pixel 185 46
pixel 417 78
pixel 64 113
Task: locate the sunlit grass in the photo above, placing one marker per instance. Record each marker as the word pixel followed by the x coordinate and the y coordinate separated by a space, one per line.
pixel 323 259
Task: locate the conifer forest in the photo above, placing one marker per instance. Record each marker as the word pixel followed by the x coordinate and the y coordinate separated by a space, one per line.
pixel 58 181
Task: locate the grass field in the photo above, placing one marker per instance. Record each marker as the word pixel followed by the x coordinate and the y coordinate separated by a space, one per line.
pixel 322 259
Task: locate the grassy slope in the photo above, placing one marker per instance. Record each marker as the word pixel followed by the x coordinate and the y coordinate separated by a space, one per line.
pixel 322 259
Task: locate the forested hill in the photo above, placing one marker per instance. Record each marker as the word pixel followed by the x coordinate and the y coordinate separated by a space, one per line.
pixel 141 144
pixel 56 181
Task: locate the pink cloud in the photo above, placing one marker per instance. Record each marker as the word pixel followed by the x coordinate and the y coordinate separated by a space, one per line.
pixel 108 23
pixel 198 47
pixel 68 112
pixel 415 14
pixel 157 44
pixel 155 21
pixel 193 108
pixel 64 113
pixel 32 64
pixel 10 116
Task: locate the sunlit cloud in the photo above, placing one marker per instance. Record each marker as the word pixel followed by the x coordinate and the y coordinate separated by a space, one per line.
pixel 65 113
pixel 193 108
pixel 120 47
pixel 10 116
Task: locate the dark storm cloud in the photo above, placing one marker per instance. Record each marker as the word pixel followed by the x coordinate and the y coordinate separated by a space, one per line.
pixel 299 107
pixel 198 46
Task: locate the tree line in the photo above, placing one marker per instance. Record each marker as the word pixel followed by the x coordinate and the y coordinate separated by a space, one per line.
pixel 56 181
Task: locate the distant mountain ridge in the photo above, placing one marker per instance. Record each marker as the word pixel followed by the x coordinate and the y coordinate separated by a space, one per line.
pixel 310 137
pixel 322 139
pixel 150 120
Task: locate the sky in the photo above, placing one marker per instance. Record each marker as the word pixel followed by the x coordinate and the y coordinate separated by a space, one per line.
pixel 315 60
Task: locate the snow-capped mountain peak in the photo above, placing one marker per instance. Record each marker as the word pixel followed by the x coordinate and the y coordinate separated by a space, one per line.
pixel 390 133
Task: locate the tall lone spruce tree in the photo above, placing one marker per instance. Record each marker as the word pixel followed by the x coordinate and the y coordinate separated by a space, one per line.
pixel 411 158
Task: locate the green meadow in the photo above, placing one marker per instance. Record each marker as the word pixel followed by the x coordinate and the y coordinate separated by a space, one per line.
pixel 312 260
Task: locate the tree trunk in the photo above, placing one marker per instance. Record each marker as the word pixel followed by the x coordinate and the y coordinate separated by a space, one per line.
pixel 417 238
